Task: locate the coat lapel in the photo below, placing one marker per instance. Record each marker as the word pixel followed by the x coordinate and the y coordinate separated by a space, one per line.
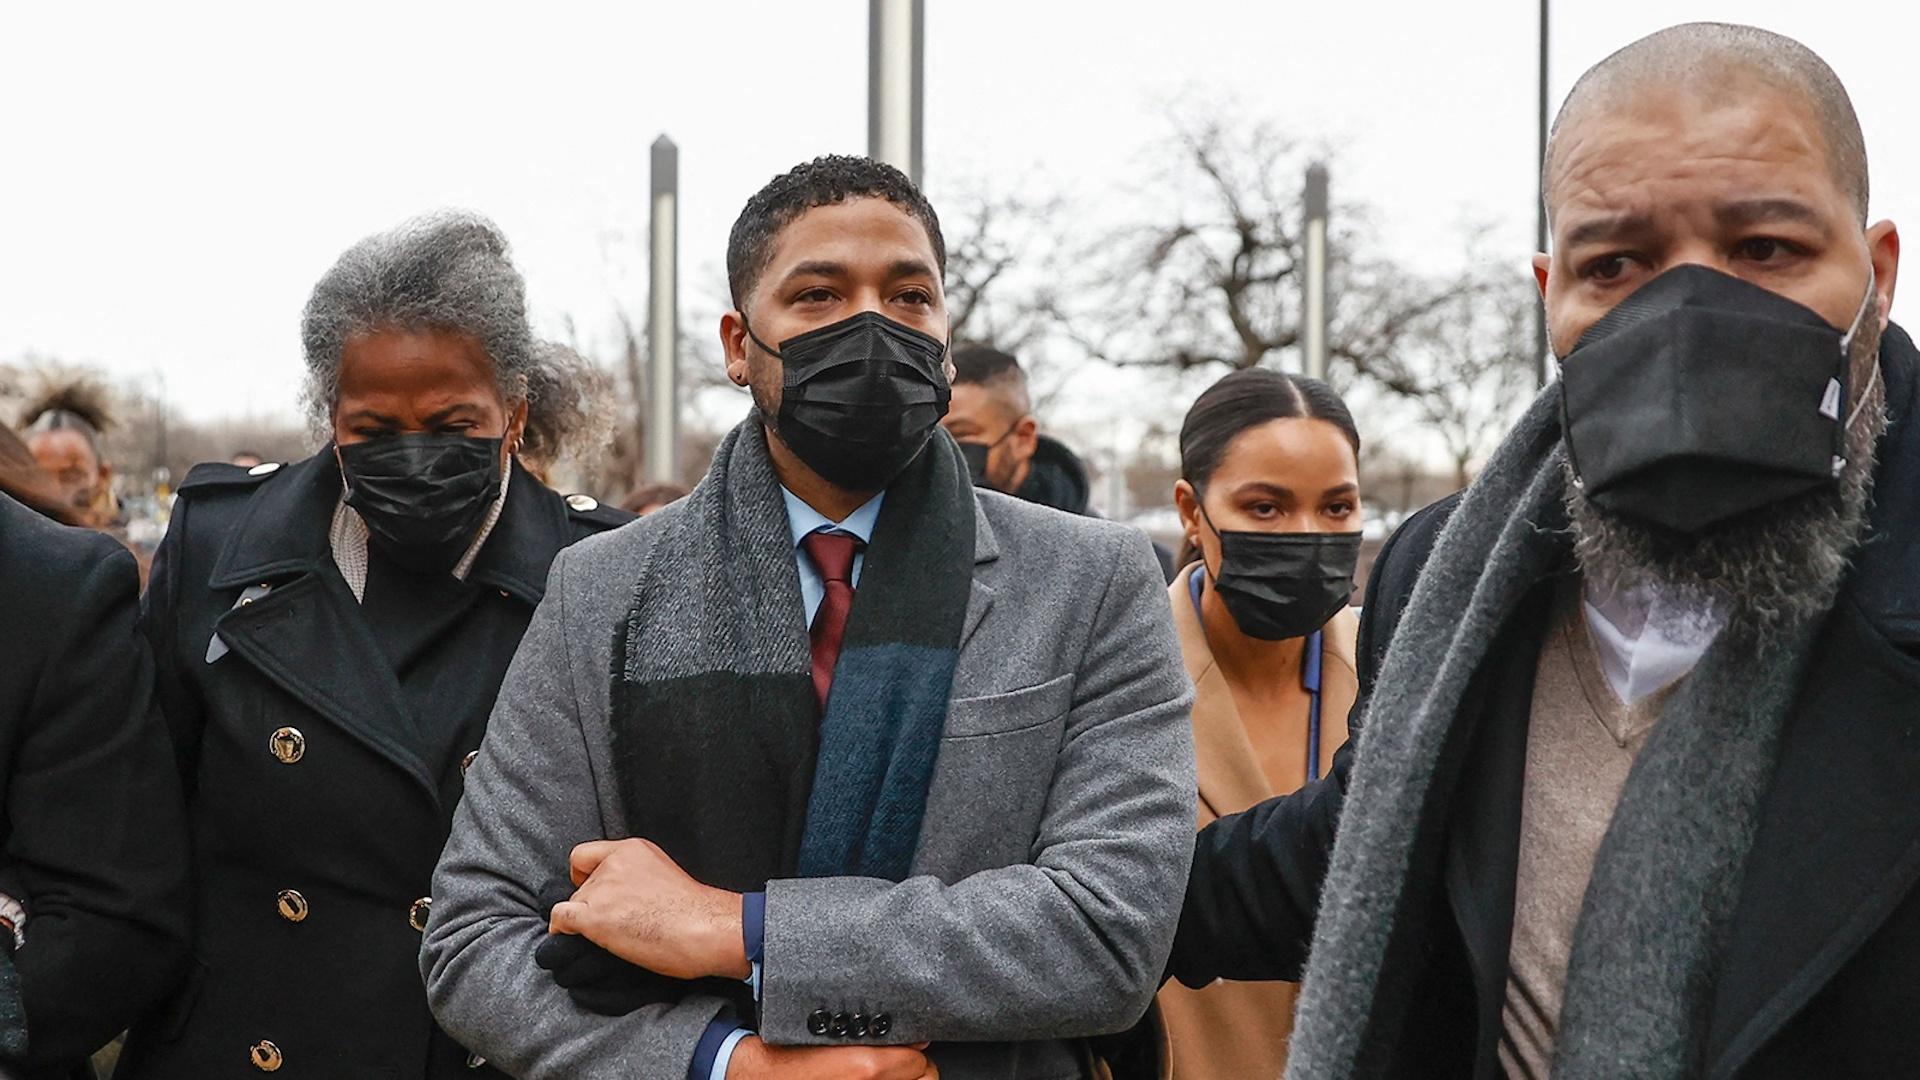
pixel 1839 841
pixel 986 553
pixel 1229 771
pixel 305 634
pixel 518 553
pixel 306 637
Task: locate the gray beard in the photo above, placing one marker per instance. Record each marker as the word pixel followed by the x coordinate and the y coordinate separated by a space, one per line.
pixel 1771 568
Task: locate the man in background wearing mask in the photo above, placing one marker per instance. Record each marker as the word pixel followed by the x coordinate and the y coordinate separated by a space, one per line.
pixel 992 419
pixel 1636 791
pixel 881 760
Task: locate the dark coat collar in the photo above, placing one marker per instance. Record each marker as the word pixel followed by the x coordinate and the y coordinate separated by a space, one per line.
pixel 1886 578
pixel 283 531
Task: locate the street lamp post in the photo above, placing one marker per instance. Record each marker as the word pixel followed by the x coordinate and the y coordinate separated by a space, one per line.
pixel 663 316
pixel 896 51
pixel 1313 306
pixel 1542 351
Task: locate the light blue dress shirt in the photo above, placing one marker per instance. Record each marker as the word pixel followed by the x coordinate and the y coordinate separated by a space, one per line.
pixel 804 519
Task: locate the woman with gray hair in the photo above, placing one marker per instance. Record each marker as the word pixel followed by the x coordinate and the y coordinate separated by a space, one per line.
pixel 330 636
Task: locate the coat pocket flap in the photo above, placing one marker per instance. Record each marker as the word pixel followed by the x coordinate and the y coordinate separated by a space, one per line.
pixel 1014 710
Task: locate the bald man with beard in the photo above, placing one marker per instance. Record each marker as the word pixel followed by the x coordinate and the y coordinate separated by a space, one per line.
pixel 1635 789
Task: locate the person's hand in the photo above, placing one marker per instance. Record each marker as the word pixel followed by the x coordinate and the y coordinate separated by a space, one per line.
pixel 594 978
pixel 755 1060
pixel 635 902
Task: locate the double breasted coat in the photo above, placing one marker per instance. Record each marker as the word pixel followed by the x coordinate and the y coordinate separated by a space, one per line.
pixel 322 751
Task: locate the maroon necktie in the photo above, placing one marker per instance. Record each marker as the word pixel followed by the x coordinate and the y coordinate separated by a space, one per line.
pixel 832 555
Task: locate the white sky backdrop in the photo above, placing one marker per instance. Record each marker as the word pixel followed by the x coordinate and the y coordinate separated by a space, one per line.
pixel 177 176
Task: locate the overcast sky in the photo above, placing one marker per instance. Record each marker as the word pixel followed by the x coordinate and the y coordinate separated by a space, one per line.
pixel 177 176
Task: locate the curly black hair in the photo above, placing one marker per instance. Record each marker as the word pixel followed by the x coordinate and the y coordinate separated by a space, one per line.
pixel 824 181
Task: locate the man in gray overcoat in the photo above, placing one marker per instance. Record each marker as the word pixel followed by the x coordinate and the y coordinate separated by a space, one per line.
pixel 837 767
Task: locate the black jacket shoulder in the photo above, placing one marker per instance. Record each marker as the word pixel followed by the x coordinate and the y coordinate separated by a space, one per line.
pixel 212 480
pixel 589 515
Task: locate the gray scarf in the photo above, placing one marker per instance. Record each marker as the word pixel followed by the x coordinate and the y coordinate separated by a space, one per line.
pixel 1665 880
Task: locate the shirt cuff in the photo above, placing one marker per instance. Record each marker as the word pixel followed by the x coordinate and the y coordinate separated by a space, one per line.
pixel 753 924
pixel 714 1052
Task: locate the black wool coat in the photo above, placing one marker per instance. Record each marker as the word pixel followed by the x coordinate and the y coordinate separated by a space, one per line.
pixel 1822 973
pixel 320 779
pixel 92 833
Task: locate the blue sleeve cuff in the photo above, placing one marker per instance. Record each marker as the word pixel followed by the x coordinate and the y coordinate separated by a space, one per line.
pixel 725 1057
pixel 753 924
pixel 714 1051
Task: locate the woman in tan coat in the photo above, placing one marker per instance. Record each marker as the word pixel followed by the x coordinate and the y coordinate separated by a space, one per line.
pixel 1269 496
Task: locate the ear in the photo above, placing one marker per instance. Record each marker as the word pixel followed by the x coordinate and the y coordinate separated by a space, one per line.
pixel 1026 433
pixel 1187 501
pixel 733 345
pixel 517 427
pixel 1883 247
pixel 1542 265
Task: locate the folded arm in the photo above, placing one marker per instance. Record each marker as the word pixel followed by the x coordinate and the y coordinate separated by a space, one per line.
pixel 530 797
pixel 1071 943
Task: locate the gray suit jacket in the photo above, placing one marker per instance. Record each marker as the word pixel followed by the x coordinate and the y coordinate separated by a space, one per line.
pixel 1051 864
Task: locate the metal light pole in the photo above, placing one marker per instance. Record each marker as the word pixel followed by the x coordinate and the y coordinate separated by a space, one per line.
pixel 663 316
pixel 896 53
pixel 1542 351
pixel 1313 305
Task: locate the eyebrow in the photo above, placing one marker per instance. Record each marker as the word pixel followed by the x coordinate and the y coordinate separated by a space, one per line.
pixel 1611 227
pixel 816 268
pixel 449 412
pixel 1267 486
pixel 1749 212
pixel 909 268
pixel 360 415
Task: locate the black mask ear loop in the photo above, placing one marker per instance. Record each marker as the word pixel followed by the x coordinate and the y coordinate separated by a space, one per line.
pixel 747 325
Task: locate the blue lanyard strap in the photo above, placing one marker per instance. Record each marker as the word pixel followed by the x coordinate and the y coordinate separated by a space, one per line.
pixel 1310 678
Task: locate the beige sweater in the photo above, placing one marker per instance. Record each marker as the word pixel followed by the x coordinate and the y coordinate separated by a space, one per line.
pixel 1581 741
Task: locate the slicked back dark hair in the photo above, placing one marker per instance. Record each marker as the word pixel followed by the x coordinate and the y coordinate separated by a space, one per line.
pixel 824 181
pixel 1246 399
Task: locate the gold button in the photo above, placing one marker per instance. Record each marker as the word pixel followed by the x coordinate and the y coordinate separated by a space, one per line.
pixel 265 1056
pixel 474 1061
pixel 467 762
pixel 417 914
pixel 287 745
pixel 293 906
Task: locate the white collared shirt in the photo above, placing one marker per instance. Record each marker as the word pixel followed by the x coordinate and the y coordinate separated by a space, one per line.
pixel 1648 638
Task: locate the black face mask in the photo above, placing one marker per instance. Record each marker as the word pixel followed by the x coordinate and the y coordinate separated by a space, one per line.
pixel 423 497
pixel 860 398
pixel 1284 585
pixel 975 454
pixel 1701 397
